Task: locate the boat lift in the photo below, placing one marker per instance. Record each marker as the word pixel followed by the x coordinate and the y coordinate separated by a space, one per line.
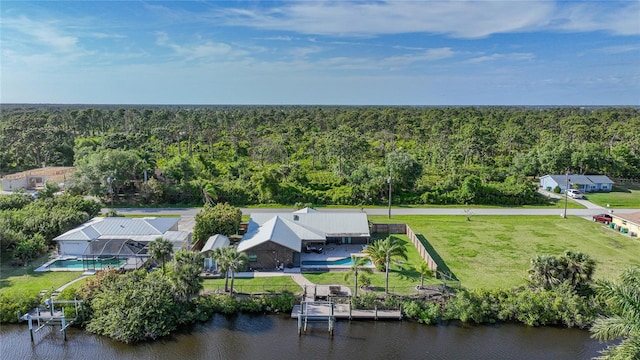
pixel 316 311
pixel 51 316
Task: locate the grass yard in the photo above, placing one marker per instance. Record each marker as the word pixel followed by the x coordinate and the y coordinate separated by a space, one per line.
pixel 24 280
pixel 403 277
pixel 495 251
pixel 256 285
pixel 622 197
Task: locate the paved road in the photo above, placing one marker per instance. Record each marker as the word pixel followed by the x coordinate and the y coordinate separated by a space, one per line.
pixel 191 212
pixel 187 215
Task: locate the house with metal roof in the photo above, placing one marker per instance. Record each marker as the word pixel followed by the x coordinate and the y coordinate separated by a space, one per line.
pixel 120 238
pixel 276 240
pixel 584 183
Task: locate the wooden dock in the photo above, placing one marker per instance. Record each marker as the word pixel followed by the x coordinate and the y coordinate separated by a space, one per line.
pixel 344 311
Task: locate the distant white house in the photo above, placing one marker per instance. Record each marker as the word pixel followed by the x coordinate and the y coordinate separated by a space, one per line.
pixel 37 178
pixel 273 240
pixel 585 183
pixel 121 238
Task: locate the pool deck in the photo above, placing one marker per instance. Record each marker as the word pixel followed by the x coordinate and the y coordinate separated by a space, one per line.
pixel 332 252
pixel 45 267
pixel 128 265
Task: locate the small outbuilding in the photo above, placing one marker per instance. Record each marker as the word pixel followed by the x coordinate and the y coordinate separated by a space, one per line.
pixel 584 183
pixel 214 242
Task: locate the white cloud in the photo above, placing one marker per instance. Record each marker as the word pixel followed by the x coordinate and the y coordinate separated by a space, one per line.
pixel 42 33
pixel 620 49
pixel 620 18
pixel 463 19
pixel 203 50
pixel 303 52
pixel 496 56
pixel 460 19
pixel 426 55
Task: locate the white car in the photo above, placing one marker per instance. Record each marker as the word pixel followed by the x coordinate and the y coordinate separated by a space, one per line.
pixel 576 194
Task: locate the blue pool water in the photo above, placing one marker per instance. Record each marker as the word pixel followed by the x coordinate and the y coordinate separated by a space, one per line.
pixel 77 264
pixel 340 262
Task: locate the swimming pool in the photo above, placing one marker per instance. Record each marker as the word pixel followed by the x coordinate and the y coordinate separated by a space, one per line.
pixel 80 265
pixel 339 262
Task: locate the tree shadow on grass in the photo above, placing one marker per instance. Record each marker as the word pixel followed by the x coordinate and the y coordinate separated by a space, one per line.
pixel 407 272
pixel 442 266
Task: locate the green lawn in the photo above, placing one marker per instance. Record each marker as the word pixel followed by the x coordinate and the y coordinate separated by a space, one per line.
pixel 257 285
pixel 624 197
pixel 495 251
pixel 24 280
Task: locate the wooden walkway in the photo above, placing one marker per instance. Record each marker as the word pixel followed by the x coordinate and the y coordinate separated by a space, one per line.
pixel 344 311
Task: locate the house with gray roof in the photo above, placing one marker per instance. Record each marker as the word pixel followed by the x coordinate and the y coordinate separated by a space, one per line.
pixel 120 237
pixel 584 183
pixel 276 240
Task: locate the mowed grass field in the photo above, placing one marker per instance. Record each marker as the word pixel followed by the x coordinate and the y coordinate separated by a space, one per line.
pixel 25 281
pixel 495 251
pixel 622 197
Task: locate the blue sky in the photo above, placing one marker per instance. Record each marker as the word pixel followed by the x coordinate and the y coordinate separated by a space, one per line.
pixel 321 52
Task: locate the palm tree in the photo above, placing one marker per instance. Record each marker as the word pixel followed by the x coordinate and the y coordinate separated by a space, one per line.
pixel 546 272
pixel 161 249
pixel 185 274
pixel 424 271
pixel 580 268
pixel 237 261
pixel 221 255
pixel 376 252
pixel 358 265
pixel 624 322
pixel 383 251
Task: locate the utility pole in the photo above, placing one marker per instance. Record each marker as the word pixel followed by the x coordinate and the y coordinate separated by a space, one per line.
pixel 389 182
pixel 566 195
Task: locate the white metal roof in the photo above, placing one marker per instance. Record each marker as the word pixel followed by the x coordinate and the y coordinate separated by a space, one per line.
pixel 275 230
pixel 214 242
pixel 327 223
pixel 120 226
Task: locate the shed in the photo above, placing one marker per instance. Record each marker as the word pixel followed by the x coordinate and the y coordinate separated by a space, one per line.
pixel 214 242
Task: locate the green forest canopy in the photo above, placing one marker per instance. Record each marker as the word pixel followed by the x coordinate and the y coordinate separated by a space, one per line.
pixel 320 154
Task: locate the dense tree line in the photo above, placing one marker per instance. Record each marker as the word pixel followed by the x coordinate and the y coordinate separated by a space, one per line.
pixel 321 155
pixel 27 224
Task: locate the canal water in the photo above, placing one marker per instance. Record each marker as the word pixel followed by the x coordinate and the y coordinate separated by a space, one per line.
pixel 275 337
